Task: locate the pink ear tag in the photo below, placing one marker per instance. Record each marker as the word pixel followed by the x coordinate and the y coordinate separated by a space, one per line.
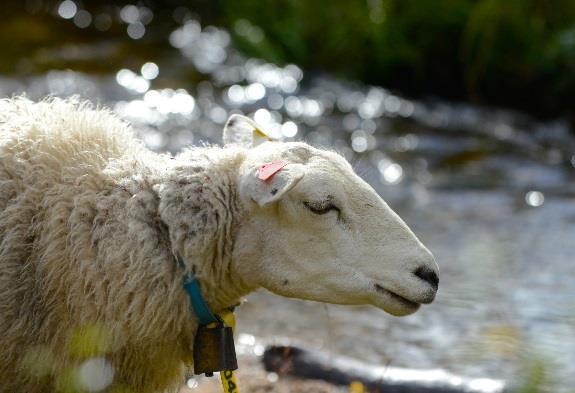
pixel 266 171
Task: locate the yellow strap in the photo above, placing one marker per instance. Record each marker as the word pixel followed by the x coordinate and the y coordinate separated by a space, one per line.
pixel 356 387
pixel 229 319
pixel 229 383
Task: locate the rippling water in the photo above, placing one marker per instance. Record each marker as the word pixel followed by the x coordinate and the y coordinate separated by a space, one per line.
pixel 489 191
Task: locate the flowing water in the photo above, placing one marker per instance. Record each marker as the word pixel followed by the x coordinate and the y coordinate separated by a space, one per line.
pixel 491 192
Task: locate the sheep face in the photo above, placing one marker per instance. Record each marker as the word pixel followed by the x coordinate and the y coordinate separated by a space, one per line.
pixel 315 230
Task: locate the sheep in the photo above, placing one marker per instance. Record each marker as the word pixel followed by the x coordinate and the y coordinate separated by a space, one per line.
pixel 91 224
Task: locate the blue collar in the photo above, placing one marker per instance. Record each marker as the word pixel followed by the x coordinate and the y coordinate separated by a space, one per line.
pixel 198 303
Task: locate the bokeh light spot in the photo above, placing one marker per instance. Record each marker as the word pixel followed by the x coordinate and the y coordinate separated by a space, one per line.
pixel 534 198
pixel 150 70
pixel 236 94
pixel 136 30
pixel 95 374
pixel 289 129
pixel 276 101
pixel 255 91
pixel 263 116
pixel 67 9
pixel 82 19
pixel 272 377
pixel 130 14
pixel 132 81
pixel 391 172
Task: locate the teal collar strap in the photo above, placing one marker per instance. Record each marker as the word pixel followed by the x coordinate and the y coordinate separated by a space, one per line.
pixel 199 305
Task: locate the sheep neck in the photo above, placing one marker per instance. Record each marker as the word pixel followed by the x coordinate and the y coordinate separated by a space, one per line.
pixel 200 208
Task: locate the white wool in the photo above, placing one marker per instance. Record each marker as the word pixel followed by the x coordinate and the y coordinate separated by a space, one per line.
pixel 91 221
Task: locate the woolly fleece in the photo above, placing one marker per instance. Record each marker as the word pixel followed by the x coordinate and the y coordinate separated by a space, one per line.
pixel 86 257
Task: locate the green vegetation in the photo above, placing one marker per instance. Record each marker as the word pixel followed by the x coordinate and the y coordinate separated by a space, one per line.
pixel 519 53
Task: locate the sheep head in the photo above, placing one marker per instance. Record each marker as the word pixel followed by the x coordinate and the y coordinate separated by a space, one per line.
pixel 315 230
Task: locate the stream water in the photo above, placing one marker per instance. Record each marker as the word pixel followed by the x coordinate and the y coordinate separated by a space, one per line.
pixel 490 191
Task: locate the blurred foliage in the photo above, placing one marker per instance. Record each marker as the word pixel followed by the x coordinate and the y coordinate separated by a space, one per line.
pixel 516 53
pixel 536 377
pixel 519 53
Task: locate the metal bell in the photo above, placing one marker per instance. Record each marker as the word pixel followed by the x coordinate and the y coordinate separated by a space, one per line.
pixel 214 350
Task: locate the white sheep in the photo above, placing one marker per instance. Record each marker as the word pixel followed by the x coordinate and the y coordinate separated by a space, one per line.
pixel 91 221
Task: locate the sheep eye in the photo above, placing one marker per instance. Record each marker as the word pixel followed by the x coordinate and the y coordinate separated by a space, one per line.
pixel 321 207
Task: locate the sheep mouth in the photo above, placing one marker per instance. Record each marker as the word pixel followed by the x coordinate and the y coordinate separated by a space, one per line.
pixel 397 298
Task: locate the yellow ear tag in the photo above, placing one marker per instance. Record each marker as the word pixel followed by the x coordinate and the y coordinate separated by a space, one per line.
pixel 259 133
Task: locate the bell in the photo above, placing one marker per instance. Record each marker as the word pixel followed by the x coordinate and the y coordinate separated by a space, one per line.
pixel 214 350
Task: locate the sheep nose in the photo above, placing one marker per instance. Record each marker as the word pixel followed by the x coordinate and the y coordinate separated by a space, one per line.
pixel 427 275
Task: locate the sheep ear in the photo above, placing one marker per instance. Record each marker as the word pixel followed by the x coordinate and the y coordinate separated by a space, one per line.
pixel 243 131
pixel 275 186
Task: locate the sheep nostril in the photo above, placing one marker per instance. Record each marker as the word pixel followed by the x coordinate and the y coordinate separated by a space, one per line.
pixel 427 275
